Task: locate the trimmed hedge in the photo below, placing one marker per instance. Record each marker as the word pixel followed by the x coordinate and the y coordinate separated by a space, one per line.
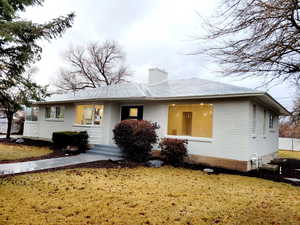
pixel 136 138
pixel 173 150
pixel 63 139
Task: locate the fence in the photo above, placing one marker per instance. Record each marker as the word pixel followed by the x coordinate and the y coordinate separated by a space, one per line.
pixel 289 144
pixel 3 127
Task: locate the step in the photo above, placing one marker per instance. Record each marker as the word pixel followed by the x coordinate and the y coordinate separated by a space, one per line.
pixel 105 153
pixel 105 146
pixel 106 150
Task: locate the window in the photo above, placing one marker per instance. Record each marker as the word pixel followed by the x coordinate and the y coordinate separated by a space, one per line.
pixel 54 112
pixel 193 120
pixel 254 119
pixel 271 120
pixel 132 112
pixel 265 123
pixel 89 114
pixel 31 114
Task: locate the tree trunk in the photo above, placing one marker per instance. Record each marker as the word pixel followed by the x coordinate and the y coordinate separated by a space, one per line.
pixel 9 116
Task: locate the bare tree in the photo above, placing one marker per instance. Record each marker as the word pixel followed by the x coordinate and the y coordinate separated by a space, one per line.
pixel 258 38
pixel 93 66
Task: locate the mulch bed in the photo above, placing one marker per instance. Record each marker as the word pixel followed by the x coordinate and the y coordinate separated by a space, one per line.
pixel 37 143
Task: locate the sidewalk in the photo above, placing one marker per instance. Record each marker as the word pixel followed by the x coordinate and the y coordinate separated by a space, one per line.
pixel 21 167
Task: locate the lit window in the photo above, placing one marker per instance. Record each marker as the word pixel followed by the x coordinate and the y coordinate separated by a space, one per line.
pixel 31 114
pixel 54 112
pixel 89 114
pixel 133 112
pixel 190 120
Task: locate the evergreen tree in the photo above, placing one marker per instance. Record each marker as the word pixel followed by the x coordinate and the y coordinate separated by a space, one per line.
pixel 19 49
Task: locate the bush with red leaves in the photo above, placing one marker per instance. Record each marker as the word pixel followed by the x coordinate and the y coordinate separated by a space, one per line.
pixel 173 150
pixel 136 138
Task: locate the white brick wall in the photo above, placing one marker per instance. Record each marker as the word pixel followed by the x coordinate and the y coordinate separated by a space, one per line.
pixel 232 128
pixel 263 144
pixel 43 128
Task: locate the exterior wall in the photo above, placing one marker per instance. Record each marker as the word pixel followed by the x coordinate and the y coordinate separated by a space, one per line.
pixel 230 137
pixel 31 129
pixel 43 128
pixel 262 145
pixel 232 145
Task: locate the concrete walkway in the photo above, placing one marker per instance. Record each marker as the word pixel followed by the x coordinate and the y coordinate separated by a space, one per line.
pixel 21 167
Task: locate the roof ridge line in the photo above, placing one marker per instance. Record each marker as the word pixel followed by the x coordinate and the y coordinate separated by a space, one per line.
pixel 140 89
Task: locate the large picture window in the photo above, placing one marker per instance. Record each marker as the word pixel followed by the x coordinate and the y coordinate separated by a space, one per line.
pixel 193 120
pixel 54 112
pixel 89 114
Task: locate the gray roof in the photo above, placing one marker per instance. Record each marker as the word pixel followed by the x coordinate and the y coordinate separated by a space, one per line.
pixel 170 89
pixel 165 89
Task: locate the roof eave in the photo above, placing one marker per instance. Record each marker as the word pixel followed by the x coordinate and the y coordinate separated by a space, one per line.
pixel 281 109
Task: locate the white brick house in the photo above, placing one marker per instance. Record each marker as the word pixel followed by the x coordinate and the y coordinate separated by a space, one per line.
pixel 225 125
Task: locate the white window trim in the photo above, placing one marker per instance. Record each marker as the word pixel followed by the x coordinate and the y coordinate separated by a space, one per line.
pixel 190 138
pixel 271 129
pixel 31 113
pixel 265 123
pixel 54 119
pixel 254 121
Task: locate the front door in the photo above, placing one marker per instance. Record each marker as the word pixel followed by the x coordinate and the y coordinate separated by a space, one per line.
pixel 132 112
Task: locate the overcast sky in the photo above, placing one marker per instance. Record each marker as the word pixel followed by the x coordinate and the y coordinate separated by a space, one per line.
pixel 153 33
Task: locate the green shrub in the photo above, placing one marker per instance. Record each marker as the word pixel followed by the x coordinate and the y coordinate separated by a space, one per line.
pixel 173 150
pixel 72 138
pixel 136 138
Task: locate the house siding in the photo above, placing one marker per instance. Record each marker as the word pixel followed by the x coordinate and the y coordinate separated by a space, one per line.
pixel 232 138
pixel 264 144
pixel 229 132
pixel 43 128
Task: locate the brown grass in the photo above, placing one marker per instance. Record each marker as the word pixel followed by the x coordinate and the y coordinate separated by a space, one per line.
pixel 14 152
pixel 145 196
pixel 288 154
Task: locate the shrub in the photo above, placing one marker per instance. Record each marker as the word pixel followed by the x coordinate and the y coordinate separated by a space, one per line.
pixel 136 138
pixel 173 150
pixel 72 138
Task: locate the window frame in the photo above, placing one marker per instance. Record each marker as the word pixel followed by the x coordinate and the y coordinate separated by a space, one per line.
pixel 271 120
pixel 191 138
pixel 265 123
pixel 32 109
pixel 53 116
pixel 254 120
pixel 93 115
pixel 125 112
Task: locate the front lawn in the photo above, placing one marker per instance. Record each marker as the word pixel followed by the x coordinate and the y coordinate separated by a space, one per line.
pixel 288 154
pixel 17 152
pixel 145 196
